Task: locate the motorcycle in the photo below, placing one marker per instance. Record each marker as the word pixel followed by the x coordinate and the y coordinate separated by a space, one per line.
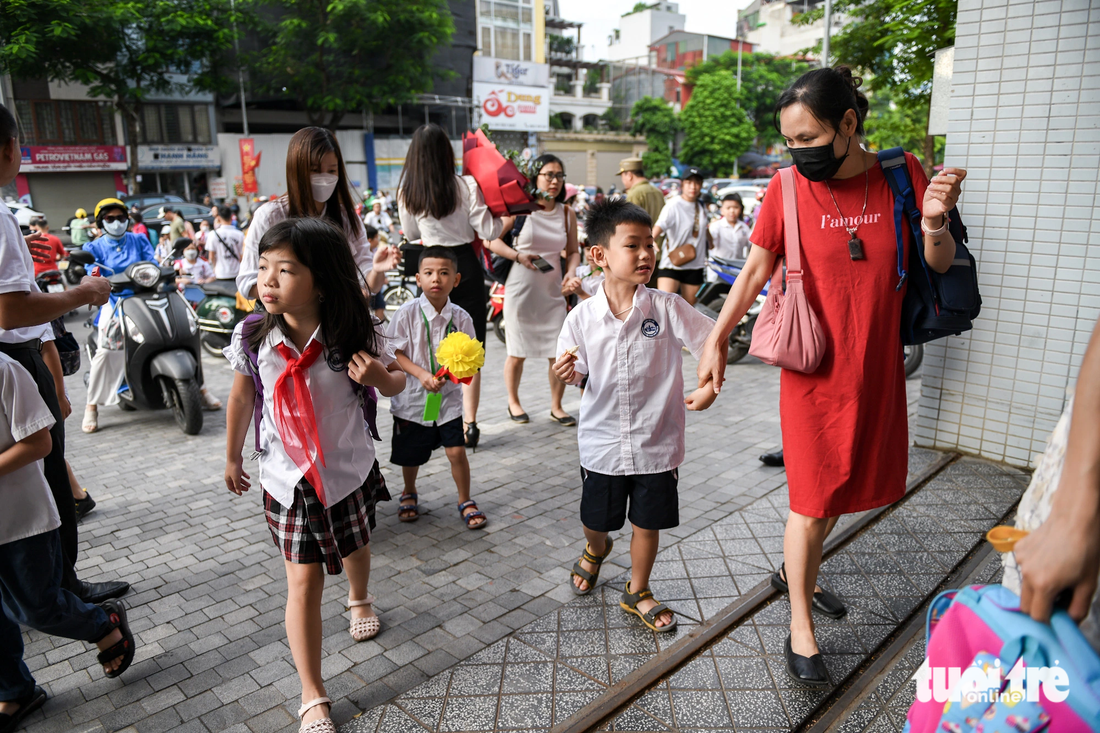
pixel 712 296
pixel 398 291
pixel 159 334
pixel 496 310
pixel 914 355
pixel 218 315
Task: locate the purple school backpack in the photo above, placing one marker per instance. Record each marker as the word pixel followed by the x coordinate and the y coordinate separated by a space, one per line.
pixel 368 398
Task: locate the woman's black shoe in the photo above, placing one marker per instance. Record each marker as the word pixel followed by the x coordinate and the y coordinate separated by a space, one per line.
pixel 473 435
pixel 823 601
pixel 773 459
pixel 27 705
pixel 84 506
pixel 809 671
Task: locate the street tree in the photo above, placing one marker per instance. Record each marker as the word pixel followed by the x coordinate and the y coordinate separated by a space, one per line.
pixel 892 42
pixel 890 123
pixel 716 130
pixel 763 79
pixel 654 119
pixel 124 51
pixel 336 57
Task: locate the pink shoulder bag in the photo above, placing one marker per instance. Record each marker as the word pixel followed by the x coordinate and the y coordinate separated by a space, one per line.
pixel 787 333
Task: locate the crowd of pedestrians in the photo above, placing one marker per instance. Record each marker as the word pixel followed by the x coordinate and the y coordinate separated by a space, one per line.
pixel 311 361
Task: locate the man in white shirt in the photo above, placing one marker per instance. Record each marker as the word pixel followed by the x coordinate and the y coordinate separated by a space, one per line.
pixel 628 340
pixel 25 315
pixel 379 219
pixel 684 222
pixel 224 244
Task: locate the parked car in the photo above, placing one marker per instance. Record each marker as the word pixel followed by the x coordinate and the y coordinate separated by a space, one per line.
pixel 148 199
pixel 194 213
pixel 23 214
pixel 668 186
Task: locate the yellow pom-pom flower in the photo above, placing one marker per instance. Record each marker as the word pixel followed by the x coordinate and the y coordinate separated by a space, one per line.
pixel 460 355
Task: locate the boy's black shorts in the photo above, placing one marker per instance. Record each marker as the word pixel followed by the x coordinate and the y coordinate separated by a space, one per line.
pixel 413 443
pixel 654 503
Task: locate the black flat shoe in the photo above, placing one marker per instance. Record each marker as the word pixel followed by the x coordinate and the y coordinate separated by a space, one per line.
pixel 30 702
pixel 773 459
pixel 823 602
pixel 84 506
pixel 566 420
pixel 473 435
pixel 520 418
pixel 96 593
pixel 809 671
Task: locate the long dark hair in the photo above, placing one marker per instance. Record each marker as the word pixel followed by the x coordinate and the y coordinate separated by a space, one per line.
pixel 428 184
pixel 828 94
pixel 347 325
pixel 541 162
pixel 304 153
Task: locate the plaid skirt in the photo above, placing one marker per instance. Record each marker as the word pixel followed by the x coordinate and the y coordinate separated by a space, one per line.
pixel 307 532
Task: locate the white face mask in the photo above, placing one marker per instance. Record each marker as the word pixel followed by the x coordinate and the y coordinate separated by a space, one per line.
pixel 323 185
pixel 191 254
pixel 204 228
pixel 114 229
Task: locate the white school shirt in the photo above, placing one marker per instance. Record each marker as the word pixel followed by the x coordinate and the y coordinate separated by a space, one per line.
pixel 380 221
pixel 199 269
pixel 348 447
pixel 677 220
pixel 632 411
pixel 471 218
pixel 590 283
pixel 29 508
pixel 17 275
pixel 268 216
pixel 227 266
pixel 731 241
pixel 406 334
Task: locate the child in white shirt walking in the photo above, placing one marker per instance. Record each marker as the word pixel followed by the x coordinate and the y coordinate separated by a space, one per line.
pixel 588 278
pixel 415 333
pixel 318 473
pixel 730 234
pixel 628 340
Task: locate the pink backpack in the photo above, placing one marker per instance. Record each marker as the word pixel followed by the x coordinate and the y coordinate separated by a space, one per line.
pixel 787 333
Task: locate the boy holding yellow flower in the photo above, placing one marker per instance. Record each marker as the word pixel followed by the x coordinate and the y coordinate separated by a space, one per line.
pixel 434 343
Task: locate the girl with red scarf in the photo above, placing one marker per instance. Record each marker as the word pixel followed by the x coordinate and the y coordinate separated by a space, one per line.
pixel 318 473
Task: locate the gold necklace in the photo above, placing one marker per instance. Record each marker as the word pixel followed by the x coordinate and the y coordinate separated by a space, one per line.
pixel 855 244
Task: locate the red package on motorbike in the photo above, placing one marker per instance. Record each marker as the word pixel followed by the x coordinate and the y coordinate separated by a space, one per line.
pixel 500 181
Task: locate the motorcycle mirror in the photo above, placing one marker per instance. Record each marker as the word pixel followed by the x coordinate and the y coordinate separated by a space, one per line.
pixel 81 257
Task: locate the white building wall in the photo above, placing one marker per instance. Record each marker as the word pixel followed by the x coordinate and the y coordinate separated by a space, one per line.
pixel 1025 123
pixel 781 37
pixel 638 31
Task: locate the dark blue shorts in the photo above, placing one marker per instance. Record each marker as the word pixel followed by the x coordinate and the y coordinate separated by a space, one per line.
pixel 652 497
pixel 413 443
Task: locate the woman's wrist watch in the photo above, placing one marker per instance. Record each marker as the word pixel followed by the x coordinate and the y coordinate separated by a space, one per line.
pixel 935 232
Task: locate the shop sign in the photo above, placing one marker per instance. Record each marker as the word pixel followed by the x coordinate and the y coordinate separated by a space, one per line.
pixel 503 71
pixel 39 158
pixel 178 157
pixel 513 107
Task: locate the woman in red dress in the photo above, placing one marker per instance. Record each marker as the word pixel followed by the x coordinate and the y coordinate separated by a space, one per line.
pixel 844 426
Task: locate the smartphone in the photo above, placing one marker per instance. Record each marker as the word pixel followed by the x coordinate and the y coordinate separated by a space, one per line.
pixel 542 264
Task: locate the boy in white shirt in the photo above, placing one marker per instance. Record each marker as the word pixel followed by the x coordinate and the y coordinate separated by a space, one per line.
pixel 730 234
pixel 224 245
pixel 415 333
pixel 627 339
pixel 588 278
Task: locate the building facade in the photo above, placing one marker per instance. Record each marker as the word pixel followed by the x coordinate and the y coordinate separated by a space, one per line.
pixel 638 30
pixel 769 26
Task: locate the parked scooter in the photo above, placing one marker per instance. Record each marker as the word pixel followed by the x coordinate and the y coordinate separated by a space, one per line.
pixel 219 315
pixel 712 296
pixel 159 333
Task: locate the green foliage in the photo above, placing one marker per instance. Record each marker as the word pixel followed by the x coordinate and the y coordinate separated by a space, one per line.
pixel 638 7
pixel 654 119
pixel 716 129
pixel 340 56
pixel 890 123
pixel 556 122
pixel 611 119
pixel 561 44
pixel 763 79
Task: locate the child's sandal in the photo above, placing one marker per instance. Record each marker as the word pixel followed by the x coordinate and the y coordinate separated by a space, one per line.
pixel 630 602
pixel 583 574
pixel 474 515
pixel 363 629
pixel 321 725
pixel 116 613
pixel 408 512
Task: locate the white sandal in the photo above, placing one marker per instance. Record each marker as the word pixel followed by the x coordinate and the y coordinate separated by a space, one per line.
pixel 91 420
pixel 364 628
pixel 321 725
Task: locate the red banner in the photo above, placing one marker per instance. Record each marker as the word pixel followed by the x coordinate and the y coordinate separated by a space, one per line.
pixel 73 158
pixel 250 160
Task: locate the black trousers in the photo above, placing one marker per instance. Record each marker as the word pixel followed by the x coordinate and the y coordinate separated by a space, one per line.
pixel 57 476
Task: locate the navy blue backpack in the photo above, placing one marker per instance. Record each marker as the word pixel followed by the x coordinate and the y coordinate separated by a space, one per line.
pixel 936 304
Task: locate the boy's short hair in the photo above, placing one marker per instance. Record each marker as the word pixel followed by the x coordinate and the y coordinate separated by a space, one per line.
pixel 371 232
pixel 38 221
pixel 438 252
pixel 733 197
pixel 9 128
pixel 223 212
pixel 603 218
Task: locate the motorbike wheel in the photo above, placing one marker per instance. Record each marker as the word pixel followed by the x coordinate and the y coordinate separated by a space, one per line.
pixel 914 355
pixel 213 344
pixel 126 406
pixel 397 296
pixel 498 328
pixel 186 404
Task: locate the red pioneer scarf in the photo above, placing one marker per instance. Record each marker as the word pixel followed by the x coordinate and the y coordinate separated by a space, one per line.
pixel 294 417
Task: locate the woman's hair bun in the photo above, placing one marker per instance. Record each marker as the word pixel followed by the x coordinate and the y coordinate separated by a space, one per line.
pixel 855 82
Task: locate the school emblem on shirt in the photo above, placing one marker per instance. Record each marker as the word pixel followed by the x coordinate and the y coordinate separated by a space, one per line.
pixel 650 328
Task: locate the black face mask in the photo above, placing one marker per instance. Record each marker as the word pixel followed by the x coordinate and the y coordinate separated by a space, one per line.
pixel 820 162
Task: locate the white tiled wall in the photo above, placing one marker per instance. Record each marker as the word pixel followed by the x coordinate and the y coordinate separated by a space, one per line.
pixel 1025 123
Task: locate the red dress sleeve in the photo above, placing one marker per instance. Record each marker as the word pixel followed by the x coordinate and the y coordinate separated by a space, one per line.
pixel 768 231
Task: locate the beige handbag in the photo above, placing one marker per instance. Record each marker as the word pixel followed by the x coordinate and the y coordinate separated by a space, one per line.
pixel 685 253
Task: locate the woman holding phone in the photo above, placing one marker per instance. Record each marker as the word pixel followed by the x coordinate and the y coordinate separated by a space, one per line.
pixel 534 309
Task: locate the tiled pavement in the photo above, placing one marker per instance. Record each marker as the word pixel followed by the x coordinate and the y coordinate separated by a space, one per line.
pixel 209 587
pixel 549 669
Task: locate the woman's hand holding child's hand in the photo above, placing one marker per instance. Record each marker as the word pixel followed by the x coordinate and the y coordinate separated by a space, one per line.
pixel 701 398
pixel 565 366
pixel 366 370
pixel 236 480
